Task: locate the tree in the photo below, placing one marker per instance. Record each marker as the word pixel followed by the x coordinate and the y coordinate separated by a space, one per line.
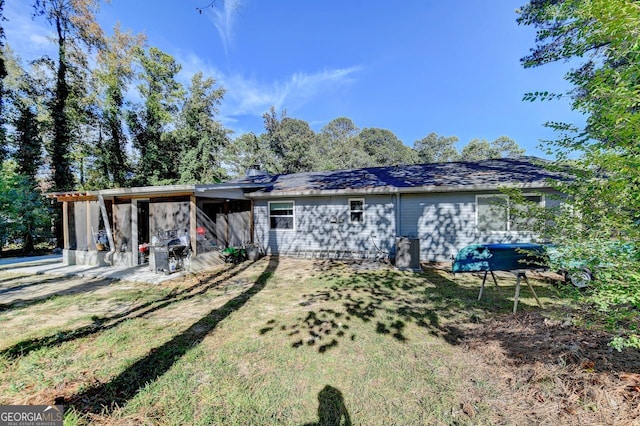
pixel 3 74
pixel 436 149
pixel 28 154
pixel 246 151
pixel 202 138
pixel 604 34
pixel 6 220
pixel 505 147
pixel 603 201
pixel 115 72
pixel 339 146
pixel 295 143
pixel 481 149
pixel 75 27
pixel 159 157
pixel 477 149
pixel 291 140
pixel 26 214
pixel 23 211
pixel 383 148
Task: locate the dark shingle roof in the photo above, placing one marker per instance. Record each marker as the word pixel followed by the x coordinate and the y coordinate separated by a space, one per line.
pixel 524 171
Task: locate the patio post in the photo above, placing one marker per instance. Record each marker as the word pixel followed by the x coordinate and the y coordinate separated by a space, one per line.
pixel 134 232
pixel 89 229
pixel 193 224
pixel 65 225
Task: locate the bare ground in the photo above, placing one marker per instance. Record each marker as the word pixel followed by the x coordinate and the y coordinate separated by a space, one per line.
pixel 550 372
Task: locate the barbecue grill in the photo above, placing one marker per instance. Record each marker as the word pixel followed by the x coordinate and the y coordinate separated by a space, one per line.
pixel 167 254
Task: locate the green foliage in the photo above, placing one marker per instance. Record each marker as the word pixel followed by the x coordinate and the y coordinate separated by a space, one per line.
pixel 159 155
pixel 482 149
pixel 339 147
pixel 601 212
pixel 291 140
pixel 436 149
pixel 619 343
pixel 115 72
pixel 3 74
pixel 201 138
pixel 75 26
pixel 24 214
pixel 28 143
pixel 383 148
pixel 246 151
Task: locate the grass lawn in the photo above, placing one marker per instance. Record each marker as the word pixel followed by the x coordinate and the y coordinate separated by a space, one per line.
pixel 294 342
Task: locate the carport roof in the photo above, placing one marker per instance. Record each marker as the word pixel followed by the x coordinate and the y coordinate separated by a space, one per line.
pixel 205 190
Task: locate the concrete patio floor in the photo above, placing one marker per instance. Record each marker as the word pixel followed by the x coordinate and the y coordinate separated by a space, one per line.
pixel 52 265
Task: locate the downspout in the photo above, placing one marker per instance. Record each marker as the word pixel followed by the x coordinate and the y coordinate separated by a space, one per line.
pixel 251 223
pixel 105 218
pixel 397 214
pixel 226 220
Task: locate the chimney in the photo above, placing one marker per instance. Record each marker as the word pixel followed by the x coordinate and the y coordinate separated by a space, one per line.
pixel 254 170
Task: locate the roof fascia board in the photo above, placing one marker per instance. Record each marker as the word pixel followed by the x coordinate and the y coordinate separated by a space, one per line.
pixel 143 190
pixel 395 190
pixel 206 188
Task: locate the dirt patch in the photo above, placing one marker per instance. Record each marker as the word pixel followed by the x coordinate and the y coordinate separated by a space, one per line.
pixel 550 372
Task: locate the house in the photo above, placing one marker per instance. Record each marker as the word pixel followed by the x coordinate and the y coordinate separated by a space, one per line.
pixel 447 206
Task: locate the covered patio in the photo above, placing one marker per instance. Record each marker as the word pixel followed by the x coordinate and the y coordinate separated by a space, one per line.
pixel 113 226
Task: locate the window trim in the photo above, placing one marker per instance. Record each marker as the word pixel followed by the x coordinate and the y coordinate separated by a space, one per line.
pixel 509 220
pixel 351 210
pixel 293 216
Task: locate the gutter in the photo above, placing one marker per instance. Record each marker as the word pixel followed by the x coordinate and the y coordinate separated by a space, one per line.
pixel 256 186
pixel 153 190
pixel 395 190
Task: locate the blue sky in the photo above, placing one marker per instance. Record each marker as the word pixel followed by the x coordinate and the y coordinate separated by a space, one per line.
pixel 413 67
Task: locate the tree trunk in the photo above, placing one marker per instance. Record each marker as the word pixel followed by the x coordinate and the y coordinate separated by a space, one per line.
pixel 27 247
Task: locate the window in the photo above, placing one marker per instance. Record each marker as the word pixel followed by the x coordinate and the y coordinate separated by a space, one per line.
pixel 492 213
pixel 496 213
pixel 356 210
pixel 281 215
pixel 520 220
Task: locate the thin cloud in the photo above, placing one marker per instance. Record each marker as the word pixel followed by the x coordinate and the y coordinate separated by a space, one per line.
pixel 249 96
pixel 224 19
pixel 31 38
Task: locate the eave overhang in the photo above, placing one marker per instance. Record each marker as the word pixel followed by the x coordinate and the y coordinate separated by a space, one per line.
pixel 395 190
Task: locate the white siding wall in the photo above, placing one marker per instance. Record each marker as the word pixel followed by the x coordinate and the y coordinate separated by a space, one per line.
pixel 444 223
pixel 322 224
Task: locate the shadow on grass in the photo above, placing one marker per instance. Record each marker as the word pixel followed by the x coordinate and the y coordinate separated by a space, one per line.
pixel 331 408
pixel 389 300
pixel 85 286
pixel 101 324
pixel 105 397
pixel 24 281
pixel 14 278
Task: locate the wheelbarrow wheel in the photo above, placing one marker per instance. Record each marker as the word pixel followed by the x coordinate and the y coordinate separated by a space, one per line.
pixel 580 279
